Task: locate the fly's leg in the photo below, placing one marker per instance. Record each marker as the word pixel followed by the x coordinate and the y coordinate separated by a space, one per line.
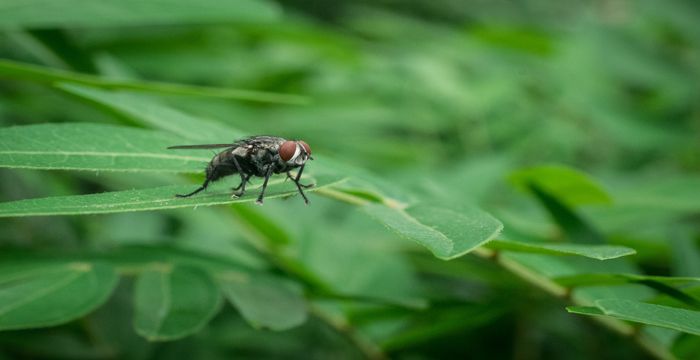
pixel 203 187
pixel 268 173
pixel 300 185
pixel 239 190
pixel 244 177
pixel 296 179
pixel 243 182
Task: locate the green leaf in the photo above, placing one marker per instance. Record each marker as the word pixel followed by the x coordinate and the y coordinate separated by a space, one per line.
pixel 660 283
pixel 111 13
pixel 150 112
pixel 80 146
pixel 44 294
pixel 686 254
pixel 568 185
pixel 576 228
pixel 21 71
pixel 133 258
pixel 599 252
pixel 269 231
pixel 173 302
pixel 664 316
pixel 446 232
pixel 159 198
pixel 595 279
pixel 672 193
pixel 584 310
pixel 265 301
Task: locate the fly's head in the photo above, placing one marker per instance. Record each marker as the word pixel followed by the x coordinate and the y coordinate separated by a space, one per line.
pixel 295 153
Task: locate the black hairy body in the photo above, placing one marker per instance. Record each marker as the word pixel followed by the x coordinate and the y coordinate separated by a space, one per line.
pixel 259 156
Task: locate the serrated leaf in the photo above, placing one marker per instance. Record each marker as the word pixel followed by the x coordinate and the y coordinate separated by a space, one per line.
pixel 44 294
pixel 152 199
pixel 81 146
pixel 265 301
pixel 173 302
pixel 566 184
pixel 447 233
pixel 21 71
pixel 599 252
pixel 152 113
pixel 110 13
pixel 664 316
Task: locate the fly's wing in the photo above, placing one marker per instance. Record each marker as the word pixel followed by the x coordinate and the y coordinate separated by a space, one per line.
pixel 251 140
pixel 202 146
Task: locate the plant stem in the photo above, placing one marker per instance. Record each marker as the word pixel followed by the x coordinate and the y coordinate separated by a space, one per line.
pixel 371 350
pixel 650 345
pixel 532 277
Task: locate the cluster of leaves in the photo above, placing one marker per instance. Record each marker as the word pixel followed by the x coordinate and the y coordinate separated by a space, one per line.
pixel 441 141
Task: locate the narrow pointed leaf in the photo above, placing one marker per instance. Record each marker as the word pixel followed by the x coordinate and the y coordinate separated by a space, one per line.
pixel 566 184
pixel 80 146
pixel 447 233
pixel 159 198
pixel 21 71
pixel 152 113
pixel 599 252
pixel 44 294
pixel 576 227
pixel 664 316
pixel 663 284
pixel 173 302
pixel 109 13
pixel 596 279
pixel 265 301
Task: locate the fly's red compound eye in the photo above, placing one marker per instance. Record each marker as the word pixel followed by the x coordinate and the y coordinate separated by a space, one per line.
pixel 306 147
pixel 287 150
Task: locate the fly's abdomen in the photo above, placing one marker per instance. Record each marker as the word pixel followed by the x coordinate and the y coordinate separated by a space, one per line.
pixel 221 165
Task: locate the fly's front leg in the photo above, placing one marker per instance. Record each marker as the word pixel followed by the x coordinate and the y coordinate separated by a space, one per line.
pixel 296 179
pixel 299 185
pixel 268 173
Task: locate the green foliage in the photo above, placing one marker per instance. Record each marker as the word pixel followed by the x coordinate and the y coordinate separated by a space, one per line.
pixel 148 199
pixel 446 232
pixel 44 293
pixel 93 147
pixel 82 13
pixel 265 301
pixel 478 167
pixel 599 252
pixel 663 316
pixel 164 308
pixel 567 185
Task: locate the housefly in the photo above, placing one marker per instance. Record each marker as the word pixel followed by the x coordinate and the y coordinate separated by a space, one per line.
pixel 259 156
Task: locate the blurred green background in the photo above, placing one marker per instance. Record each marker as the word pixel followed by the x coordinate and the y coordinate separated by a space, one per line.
pixel 443 98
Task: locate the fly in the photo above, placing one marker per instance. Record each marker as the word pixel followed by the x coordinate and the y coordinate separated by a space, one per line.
pixel 259 156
